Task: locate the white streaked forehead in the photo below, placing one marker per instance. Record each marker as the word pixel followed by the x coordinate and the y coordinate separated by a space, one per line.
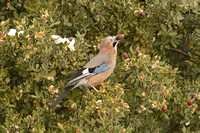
pixel 107 41
pixel 109 37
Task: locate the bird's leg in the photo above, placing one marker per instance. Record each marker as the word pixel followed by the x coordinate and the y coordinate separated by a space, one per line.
pixel 86 87
pixel 94 88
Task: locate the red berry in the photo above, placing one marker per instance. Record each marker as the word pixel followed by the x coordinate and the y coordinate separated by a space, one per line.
pixel 120 36
pixel 164 108
pixel 194 96
pixel 70 39
pixel 138 52
pixel 41 11
pixel 125 56
pixel 136 112
pixel 155 84
pixel 143 14
pixel 189 103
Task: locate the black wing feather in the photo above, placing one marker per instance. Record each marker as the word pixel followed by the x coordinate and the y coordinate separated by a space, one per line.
pixel 78 73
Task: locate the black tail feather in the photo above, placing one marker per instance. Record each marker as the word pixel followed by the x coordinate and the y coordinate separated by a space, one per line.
pixel 61 96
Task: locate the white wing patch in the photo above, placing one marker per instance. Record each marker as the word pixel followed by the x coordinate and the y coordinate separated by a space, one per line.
pixel 85 71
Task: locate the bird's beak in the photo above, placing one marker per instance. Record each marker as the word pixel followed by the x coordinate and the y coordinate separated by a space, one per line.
pixel 117 38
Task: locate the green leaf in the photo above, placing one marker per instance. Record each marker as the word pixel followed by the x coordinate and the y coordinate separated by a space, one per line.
pixel 173 33
pixel 197 31
pixel 163 27
pixel 184 129
pixel 174 42
pixel 7 79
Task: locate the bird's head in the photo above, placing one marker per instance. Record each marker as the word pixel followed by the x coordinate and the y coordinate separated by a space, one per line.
pixel 111 42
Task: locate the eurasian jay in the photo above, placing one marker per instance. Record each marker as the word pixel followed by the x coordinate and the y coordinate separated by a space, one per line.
pixel 96 70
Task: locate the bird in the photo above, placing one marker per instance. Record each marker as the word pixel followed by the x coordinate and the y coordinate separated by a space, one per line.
pixel 96 70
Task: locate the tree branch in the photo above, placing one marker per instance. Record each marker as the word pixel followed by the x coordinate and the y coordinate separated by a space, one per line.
pixel 179 51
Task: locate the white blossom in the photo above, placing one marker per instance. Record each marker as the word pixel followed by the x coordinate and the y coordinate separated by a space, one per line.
pixel 59 39
pixel 71 45
pixel 12 32
pixel 21 32
pixel 99 101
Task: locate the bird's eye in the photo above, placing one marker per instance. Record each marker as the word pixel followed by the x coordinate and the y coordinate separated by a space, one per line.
pixel 111 40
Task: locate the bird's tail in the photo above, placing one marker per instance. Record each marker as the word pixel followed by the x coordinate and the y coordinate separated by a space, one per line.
pixel 61 96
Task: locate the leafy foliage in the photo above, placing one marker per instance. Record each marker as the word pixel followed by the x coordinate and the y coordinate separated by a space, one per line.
pixel 153 91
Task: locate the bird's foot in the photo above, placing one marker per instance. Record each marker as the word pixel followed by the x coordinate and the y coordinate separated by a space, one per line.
pixel 94 88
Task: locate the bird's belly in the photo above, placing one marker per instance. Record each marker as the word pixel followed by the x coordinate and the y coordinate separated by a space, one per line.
pixel 97 79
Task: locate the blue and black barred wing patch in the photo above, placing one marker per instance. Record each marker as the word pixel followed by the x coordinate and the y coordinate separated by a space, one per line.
pixel 100 68
pixel 86 73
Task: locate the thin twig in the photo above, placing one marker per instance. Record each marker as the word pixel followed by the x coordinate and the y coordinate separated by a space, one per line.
pixel 179 51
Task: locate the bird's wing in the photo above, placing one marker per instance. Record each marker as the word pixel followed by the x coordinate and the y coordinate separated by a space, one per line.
pixel 95 66
pixel 86 73
pixel 79 77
